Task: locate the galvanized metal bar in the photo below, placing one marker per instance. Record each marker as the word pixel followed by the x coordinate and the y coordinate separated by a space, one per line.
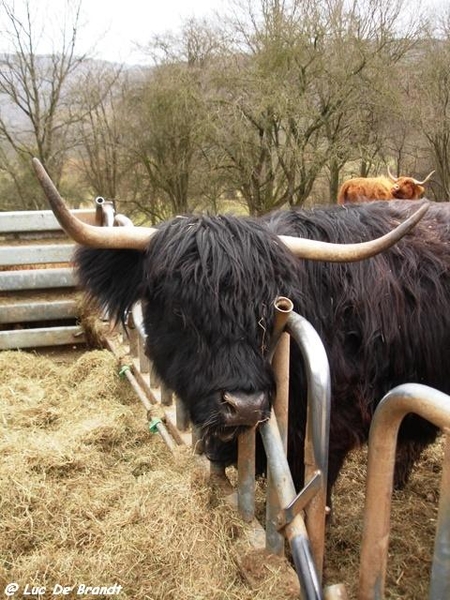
pixel 246 474
pixel 279 352
pixel 440 572
pixel 25 312
pixel 144 363
pixel 434 406
pixel 275 540
pixel 166 395
pixel 42 336
pixel 159 425
pixel 277 461
pixel 154 377
pixel 104 212
pixel 302 499
pixel 182 415
pixel 38 220
pixel 197 439
pixel 280 363
pixel 122 221
pixel 36 254
pixel 133 339
pixel 317 428
pixel 295 530
pixel 283 308
pixel 37 279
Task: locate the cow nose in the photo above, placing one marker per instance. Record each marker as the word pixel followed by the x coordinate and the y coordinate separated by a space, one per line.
pixel 244 409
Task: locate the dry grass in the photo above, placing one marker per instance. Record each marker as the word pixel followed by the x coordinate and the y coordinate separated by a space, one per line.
pixel 413 523
pixel 87 495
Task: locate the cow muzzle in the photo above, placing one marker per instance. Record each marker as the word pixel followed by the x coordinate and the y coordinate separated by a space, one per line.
pixel 244 410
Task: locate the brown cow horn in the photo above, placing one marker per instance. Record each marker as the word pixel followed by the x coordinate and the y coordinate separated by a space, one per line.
pixel 133 238
pixel 137 238
pixel 315 250
pixel 391 176
pixel 417 182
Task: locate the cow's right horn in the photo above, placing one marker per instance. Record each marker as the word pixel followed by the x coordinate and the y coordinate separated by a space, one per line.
pixel 391 176
pixel 137 238
pixel 417 182
pixel 132 238
pixel 317 250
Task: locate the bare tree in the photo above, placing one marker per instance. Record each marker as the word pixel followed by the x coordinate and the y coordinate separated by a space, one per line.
pixel 431 107
pixel 166 123
pixel 303 92
pixel 101 97
pixel 35 112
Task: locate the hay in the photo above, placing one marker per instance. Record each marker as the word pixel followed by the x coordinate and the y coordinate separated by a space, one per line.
pixel 88 496
pixel 413 526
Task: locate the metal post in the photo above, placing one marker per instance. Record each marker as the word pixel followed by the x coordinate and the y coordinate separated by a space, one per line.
pixel 181 415
pixel 440 572
pixel 295 529
pixel 246 474
pixel 317 427
pixel 280 350
pixel 435 407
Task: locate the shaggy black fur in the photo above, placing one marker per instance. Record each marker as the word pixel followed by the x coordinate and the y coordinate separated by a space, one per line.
pixel 208 286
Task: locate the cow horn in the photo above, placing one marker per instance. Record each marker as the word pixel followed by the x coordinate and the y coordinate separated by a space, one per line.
pixel 316 250
pixel 417 182
pixel 135 238
pixel 391 176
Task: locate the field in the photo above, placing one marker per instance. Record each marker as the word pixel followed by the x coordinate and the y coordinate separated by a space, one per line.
pixel 90 498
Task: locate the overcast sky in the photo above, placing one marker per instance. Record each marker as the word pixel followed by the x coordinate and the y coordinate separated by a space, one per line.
pixel 115 27
pixel 121 23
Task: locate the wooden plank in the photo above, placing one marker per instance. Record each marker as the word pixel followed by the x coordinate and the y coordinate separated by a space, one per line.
pixel 37 279
pixel 25 312
pixel 42 336
pixel 36 254
pixel 38 220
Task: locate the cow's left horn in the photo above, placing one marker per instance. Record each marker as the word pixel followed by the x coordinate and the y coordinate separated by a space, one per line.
pixel 315 250
pixel 391 176
pixel 132 238
pixel 417 182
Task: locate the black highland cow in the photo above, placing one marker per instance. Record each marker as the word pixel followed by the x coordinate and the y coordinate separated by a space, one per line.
pixel 208 285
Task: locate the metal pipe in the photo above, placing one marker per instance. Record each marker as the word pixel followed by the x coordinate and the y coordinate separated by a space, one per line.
pixel 246 474
pixel 280 362
pixel 104 212
pixel 317 427
pixel 144 363
pixel 434 406
pixel 122 221
pixel 182 415
pixel 138 320
pixel 295 530
pixel 154 424
pixel 98 210
pixel 283 308
pixel 440 572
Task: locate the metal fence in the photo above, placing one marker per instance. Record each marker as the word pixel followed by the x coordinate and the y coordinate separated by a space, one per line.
pixel 37 281
pixel 433 406
pixel 298 518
